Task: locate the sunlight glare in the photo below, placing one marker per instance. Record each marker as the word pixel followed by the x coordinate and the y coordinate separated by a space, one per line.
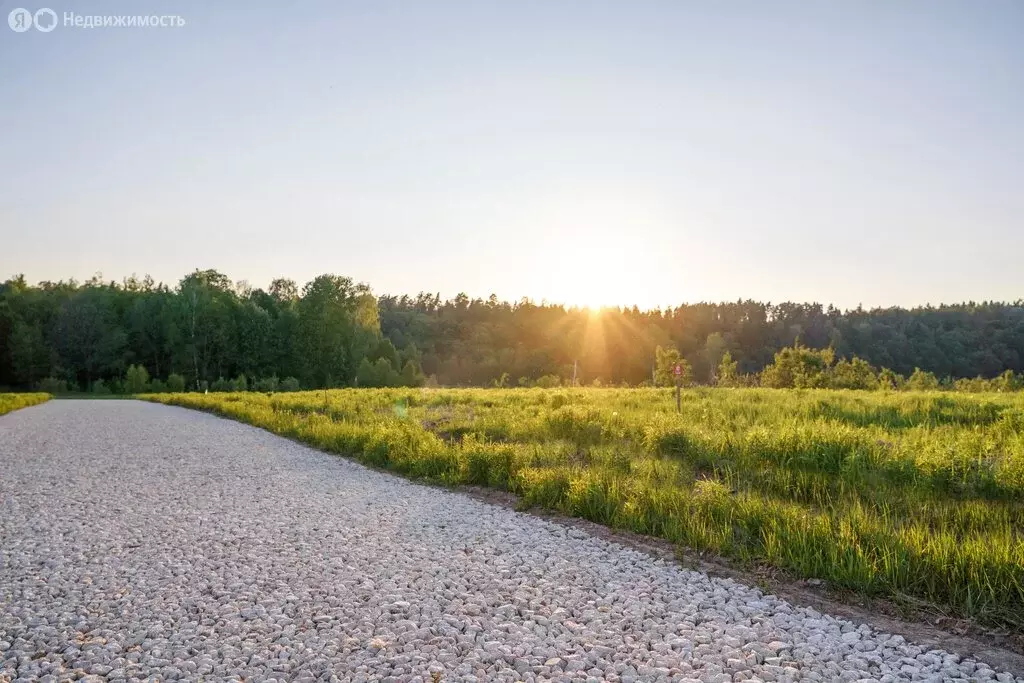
pixel 601 252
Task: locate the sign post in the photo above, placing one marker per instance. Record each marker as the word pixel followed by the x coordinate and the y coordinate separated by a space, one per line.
pixel 678 372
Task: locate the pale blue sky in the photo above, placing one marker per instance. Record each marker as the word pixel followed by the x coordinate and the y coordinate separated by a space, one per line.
pixel 658 152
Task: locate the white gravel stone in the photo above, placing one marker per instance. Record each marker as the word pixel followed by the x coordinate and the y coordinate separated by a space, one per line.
pixel 147 542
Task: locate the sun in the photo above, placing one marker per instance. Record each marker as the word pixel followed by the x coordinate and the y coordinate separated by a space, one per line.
pixel 598 275
pixel 597 253
pixel 590 289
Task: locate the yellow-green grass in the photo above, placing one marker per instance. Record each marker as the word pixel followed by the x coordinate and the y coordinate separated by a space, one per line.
pixel 886 494
pixel 9 402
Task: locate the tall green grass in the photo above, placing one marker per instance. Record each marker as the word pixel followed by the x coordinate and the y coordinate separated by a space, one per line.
pixel 9 402
pixel 909 494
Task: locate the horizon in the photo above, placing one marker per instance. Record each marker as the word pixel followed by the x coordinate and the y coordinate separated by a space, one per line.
pixel 103 280
pixel 593 154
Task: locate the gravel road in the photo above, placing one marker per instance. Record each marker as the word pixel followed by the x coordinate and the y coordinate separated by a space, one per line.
pixel 142 541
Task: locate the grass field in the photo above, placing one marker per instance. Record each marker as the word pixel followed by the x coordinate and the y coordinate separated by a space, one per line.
pixel 9 402
pixel 896 495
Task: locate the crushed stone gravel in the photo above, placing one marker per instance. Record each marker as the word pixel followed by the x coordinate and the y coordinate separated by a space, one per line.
pixel 147 542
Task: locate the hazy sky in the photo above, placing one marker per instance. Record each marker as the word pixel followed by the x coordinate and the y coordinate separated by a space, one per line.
pixel 591 152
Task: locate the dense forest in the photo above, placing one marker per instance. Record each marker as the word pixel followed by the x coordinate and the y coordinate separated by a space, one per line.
pixel 208 332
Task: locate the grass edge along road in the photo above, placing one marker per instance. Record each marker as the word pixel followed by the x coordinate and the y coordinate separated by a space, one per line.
pixel 12 402
pixel 894 495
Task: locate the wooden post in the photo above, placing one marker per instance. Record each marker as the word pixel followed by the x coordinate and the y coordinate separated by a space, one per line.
pixel 677 371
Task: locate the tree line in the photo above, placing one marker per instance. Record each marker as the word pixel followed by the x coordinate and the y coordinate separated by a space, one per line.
pixel 800 367
pixel 209 333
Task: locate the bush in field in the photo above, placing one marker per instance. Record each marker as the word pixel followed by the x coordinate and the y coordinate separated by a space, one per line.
pixel 854 374
pixel 715 348
pixel 1008 382
pixel 412 375
pixel 922 381
pixel 727 374
pixel 665 362
pixel 1003 383
pixel 378 373
pixel 381 373
pixel 241 383
pixel 221 384
pixel 175 383
pixel 548 381
pixel 289 384
pixel 799 367
pixel 889 380
pixel 976 385
pixel 100 388
pixel 267 384
pixel 136 379
pixel 52 385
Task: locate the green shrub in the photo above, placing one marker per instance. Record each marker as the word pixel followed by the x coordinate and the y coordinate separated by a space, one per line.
pixel 800 367
pixel 136 379
pixel 412 375
pixel 548 381
pixel 889 380
pixel 175 383
pixel 727 373
pixel 666 361
pixel 290 384
pixel 267 384
pixel 854 374
pixel 1008 381
pixel 51 385
pixel 922 381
